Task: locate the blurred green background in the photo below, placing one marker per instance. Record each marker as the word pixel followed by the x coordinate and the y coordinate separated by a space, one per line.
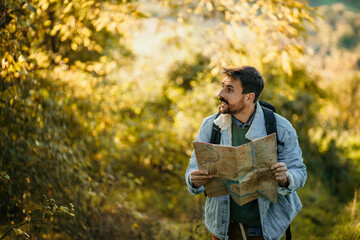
pixel 100 102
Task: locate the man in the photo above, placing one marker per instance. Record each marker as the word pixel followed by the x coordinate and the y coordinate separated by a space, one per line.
pixel 242 120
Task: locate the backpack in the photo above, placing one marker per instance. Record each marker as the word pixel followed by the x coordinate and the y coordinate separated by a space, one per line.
pixel 270 125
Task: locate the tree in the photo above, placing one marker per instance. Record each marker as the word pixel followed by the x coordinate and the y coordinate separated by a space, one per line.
pixel 90 127
pixel 55 57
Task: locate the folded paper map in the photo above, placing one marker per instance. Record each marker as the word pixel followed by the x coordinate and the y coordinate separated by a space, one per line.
pixel 244 171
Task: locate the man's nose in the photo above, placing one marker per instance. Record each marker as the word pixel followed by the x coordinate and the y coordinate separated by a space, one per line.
pixel 221 93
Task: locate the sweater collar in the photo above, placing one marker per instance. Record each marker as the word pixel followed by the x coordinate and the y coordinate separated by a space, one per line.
pixel 256 129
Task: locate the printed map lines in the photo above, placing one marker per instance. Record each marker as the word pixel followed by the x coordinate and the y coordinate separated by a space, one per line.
pixel 238 181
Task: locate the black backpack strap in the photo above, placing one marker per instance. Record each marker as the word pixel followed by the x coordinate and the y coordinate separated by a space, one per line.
pixel 288 233
pixel 215 133
pixel 270 123
pixel 270 120
pixel 267 105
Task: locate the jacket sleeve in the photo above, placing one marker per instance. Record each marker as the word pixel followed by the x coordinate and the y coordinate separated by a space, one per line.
pixel 204 135
pixel 291 155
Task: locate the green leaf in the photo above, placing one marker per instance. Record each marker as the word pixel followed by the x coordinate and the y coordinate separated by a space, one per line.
pixel 31 7
pixel 18 232
pixel 4 176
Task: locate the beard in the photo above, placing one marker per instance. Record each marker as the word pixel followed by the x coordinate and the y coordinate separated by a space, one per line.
pixel 226 108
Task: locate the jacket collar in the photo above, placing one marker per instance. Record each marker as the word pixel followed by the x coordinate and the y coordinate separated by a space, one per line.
pixel 256 130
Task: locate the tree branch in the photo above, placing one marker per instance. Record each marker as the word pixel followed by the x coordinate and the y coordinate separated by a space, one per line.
pixel 19 225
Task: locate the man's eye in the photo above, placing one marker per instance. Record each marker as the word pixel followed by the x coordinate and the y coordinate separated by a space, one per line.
pixel 229 90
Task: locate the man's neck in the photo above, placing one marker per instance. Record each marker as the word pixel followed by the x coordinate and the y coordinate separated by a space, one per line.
pixel 245 114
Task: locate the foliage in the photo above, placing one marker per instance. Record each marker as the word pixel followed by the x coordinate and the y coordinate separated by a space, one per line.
pixel 40 214
pixel 272 28
pixel 93 124
pixel 348 225
pixel 55 56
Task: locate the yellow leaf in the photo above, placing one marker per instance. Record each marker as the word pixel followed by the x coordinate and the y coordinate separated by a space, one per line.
pixel 209 6
pixel 44 93
pixel 135 225
pixel 269 56
pixel 74 46
pixel 47 23
pixel 285 63
pixel 44 5
pixel 68 7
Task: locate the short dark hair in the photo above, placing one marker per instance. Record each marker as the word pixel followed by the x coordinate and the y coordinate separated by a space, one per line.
pixel 251 80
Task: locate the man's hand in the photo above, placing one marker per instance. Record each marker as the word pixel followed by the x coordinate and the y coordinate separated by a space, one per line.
pixel 199 177
pixel 279 170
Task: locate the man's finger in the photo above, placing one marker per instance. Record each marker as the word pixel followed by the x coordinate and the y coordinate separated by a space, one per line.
pixel 199 177
pixel 280 177
pixel 280 169
pixel 202 182
pixel 278 165
pixel 200 172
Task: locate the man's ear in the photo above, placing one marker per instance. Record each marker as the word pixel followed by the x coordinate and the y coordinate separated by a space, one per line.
pixel 250 97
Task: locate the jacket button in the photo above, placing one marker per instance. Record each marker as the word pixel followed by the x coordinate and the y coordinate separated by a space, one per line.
pixel 226 202
pixel 222 221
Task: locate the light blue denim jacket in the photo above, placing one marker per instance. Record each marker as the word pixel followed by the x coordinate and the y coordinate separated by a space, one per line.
pixel 275 217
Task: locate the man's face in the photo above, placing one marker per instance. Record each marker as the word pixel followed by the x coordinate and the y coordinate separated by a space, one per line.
pixel 231 97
